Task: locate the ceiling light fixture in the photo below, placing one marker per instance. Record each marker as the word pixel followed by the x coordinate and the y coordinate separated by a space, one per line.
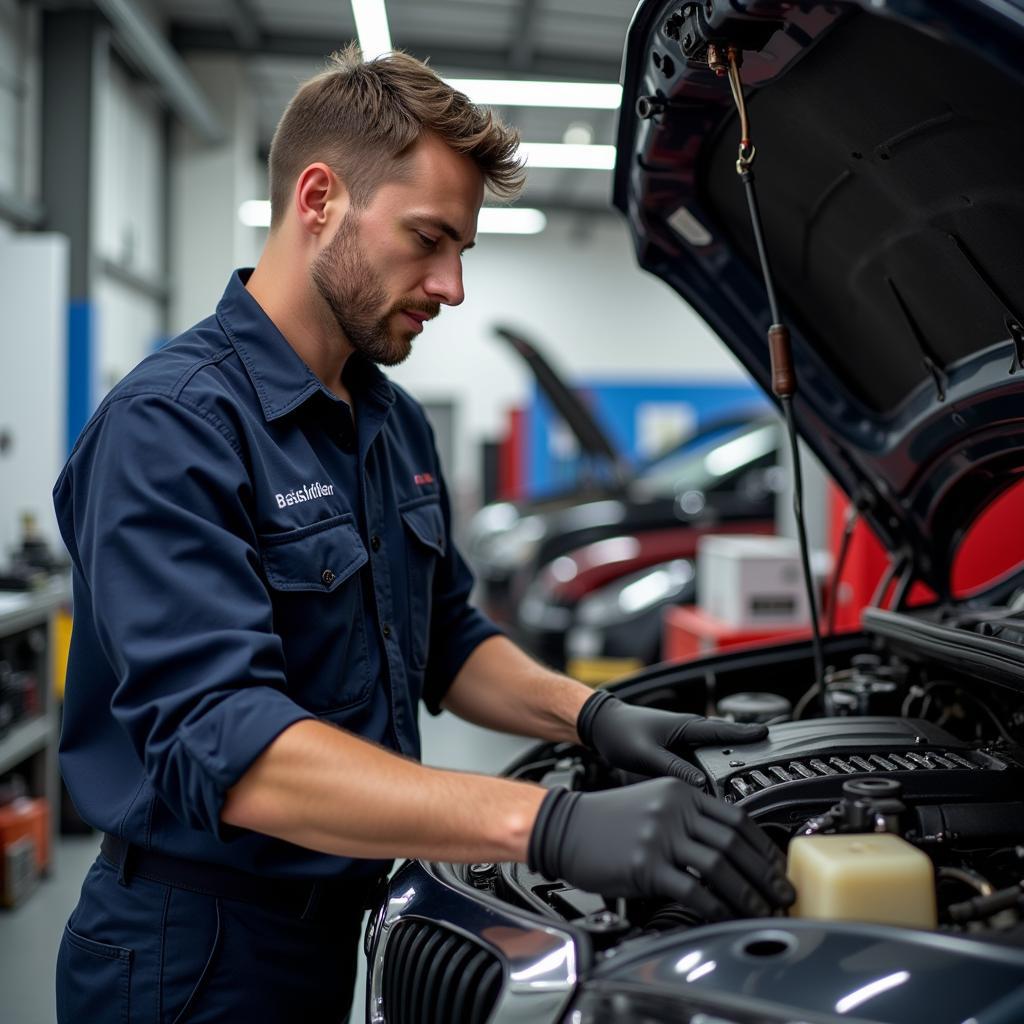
pixel 510 220
pixel 504 220
pixel 372 27
pixel 577 157
pixel 579 133
pixel 511 93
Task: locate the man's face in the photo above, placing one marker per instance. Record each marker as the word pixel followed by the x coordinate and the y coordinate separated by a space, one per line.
pixel 391 265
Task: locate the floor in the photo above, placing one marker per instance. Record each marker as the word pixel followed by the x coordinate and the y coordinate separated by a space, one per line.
pixel 29 935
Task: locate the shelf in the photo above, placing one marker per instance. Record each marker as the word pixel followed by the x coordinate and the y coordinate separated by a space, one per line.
pixel 24 609
pixel 24 740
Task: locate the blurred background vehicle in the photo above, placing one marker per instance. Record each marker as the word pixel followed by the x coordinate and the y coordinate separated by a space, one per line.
pixel 724 480
pixel 724 473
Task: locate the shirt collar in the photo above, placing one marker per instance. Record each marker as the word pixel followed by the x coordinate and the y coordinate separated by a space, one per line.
pixel 282 380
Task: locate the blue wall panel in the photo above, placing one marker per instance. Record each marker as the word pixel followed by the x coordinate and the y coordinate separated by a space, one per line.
pixel 621 409
pixel 81 368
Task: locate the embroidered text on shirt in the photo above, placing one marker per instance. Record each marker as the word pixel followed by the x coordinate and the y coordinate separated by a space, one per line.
pixel 306 493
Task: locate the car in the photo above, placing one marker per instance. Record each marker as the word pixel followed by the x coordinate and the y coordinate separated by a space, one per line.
pixel 889 148
pixel 621 583
pixel 509 542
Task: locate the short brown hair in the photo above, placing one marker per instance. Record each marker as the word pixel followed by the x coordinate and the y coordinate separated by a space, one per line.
pixel 361 118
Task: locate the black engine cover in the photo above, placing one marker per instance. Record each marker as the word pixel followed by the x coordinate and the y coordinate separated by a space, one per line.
pixel 799 770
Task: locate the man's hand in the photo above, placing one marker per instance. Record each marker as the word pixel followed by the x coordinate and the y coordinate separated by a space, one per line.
pixel 639 841
pixel 646 741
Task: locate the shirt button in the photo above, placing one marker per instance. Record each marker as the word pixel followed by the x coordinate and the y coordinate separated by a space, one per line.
pixel 327 577
pixel 386 630
pixel 375 542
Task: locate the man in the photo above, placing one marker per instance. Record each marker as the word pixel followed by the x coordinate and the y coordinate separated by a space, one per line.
pixel 265 588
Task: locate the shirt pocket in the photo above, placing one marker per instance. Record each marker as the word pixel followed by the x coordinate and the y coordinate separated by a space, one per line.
pixel 424 523
pixel 319 613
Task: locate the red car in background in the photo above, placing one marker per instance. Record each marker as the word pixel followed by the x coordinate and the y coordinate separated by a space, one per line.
pixel 723 477
pixel 600 605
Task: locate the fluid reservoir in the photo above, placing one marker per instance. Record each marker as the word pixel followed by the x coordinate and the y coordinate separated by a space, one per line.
pixel 867 876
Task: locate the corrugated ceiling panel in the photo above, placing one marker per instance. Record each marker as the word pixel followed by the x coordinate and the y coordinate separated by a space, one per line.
pixel 575 34
pixel 196 12
pixel 298 17
pixel 575 28
pixel 453 23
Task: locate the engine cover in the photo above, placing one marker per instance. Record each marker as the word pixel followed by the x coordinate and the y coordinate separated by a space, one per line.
pixel 799 770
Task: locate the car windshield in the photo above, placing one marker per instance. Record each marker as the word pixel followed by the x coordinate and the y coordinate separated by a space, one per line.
pixel 708 460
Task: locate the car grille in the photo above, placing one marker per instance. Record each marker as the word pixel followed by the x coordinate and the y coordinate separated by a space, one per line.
pixel 433 975
pixel 767 776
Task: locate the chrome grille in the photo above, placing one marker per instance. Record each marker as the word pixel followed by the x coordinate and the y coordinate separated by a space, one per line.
pixel 433 975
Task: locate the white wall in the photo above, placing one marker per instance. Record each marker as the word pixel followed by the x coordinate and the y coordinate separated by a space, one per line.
pixel 208 183
pixel 33 348
pixel 581 297
pixel 127 327
pixel 33 299
pixel 128 198
pixel 128 184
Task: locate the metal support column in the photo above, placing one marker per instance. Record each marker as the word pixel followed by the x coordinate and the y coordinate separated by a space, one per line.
pixel 76 47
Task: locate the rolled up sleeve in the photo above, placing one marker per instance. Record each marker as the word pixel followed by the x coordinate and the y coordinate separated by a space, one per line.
pixel 156 502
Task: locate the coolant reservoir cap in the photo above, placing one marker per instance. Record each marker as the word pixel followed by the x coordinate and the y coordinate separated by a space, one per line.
pixel 754 707
pixel 873 789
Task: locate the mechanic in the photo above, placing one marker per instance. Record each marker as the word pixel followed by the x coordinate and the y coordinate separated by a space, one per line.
pixel 265 589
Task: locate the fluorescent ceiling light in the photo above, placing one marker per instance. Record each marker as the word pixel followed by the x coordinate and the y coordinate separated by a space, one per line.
pixel 372 27
pixel 558 154
pixel 255 213
pixel 510 93
pixel 511 220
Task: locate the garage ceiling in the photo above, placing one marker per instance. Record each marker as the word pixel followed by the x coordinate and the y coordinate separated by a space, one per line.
pixel 578 40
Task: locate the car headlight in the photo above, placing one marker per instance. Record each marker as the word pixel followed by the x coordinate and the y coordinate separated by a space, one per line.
pixel 491 520
pixel 635 594
pixel 539 608
pixel 502 541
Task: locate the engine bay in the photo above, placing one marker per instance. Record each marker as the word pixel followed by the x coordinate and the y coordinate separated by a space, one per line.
pixel 895 740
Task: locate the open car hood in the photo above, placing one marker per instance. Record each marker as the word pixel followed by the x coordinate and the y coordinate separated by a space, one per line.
pixel 590 435
pixel 890 176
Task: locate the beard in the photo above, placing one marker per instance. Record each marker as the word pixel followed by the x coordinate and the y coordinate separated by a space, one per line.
pixel 355 295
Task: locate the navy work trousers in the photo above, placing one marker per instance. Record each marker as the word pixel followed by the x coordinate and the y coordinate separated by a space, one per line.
pixel 137 951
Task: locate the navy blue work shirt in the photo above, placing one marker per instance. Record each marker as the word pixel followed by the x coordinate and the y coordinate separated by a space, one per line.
pixel 245 556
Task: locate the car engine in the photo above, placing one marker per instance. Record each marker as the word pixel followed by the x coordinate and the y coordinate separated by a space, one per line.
pixel 898 743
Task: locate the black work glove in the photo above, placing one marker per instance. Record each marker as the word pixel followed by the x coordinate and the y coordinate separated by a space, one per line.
pixel 639 841
pixel 646 741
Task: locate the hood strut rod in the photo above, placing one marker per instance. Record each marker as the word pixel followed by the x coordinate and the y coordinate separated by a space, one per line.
pixel 783 373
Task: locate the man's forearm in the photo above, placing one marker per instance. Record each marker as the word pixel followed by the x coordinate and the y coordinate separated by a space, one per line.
pixel 327 790
pixel 502 688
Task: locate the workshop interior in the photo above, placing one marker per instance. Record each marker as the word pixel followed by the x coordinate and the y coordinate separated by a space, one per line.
pixel 731 423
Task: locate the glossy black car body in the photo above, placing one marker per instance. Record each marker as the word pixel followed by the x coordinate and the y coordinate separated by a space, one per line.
pixel 889 153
